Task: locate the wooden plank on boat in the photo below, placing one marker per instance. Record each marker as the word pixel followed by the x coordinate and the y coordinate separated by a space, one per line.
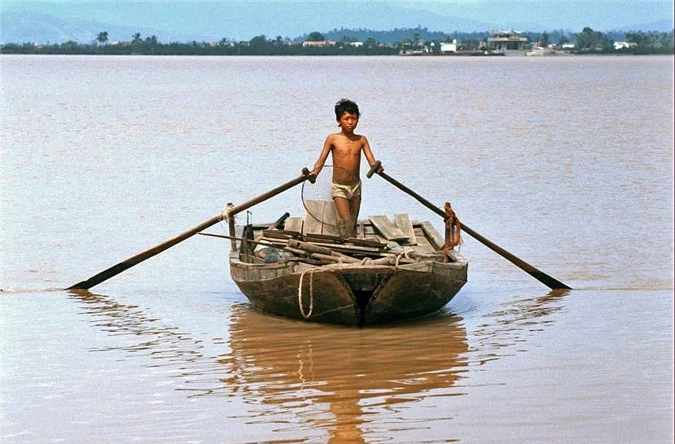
pixel 388 228
pixel 272 242
pixel 293 224
pixel 420 252
pixel 433 235
pixel 371 235
pixel 335 258
pixel 352 249
pixel 329 238
pixel 311 247
pixel 316 237
pixel 405 224
pixel 311 223
pixel 278 234
pixel 422 241
pixel 320 217
pixel 366 242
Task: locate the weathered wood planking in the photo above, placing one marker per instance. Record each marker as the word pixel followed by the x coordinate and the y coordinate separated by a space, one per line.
pixel 369 233
pixel 353 249
pixel 312 224
pixel 320 217
pixel 293 224
pixel 434 235
pixel 422 241
pixel 405 224
pixel 388 228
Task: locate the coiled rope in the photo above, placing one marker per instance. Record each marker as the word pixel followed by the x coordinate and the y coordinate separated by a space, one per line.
pixel 311 293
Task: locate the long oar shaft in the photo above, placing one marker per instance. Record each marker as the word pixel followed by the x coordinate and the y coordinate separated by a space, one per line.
pixel 263 197
pixel 542 277
pixel 140 257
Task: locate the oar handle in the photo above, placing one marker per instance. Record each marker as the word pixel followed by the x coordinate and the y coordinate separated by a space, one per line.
pixel 542 277
pixel 373 169
pixel 147 254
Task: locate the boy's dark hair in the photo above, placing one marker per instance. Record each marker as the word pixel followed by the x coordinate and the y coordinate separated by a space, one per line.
pixel 346 105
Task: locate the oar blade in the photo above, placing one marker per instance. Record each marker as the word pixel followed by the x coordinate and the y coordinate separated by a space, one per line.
pixel 147 254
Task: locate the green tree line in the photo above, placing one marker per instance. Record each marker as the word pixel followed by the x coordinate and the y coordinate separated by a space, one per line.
pixel 259 45
pixel 370 43
pixel 643 42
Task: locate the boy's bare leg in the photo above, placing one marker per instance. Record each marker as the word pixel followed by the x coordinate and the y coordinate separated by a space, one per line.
pixel 343 206
pixel 354 208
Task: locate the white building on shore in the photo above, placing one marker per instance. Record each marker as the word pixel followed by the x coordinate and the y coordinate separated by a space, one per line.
pixel 503 41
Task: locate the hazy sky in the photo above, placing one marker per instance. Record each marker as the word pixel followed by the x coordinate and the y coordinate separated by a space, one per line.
pixel 244 19
pixel 430 5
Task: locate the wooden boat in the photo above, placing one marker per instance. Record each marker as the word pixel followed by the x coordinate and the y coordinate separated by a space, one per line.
pixel 390 271
pixel 393 270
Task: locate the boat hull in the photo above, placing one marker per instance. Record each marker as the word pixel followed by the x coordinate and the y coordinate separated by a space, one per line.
pixel 349 294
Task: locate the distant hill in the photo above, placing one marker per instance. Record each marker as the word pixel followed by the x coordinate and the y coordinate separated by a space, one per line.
pixel 206 21
pixel 660 26
pixel 395 35
pixel 34 27
pixel 185 21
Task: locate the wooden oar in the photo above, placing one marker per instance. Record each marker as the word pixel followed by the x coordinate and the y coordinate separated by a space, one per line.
pixel 230 212
pixel 542 277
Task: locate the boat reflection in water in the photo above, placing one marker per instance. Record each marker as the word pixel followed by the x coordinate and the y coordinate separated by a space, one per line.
pixel 287 379
pixel 348 373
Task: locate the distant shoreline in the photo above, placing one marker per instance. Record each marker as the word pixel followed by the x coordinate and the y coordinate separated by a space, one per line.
pixel 414 56
pixel 584 43
pixel 171 50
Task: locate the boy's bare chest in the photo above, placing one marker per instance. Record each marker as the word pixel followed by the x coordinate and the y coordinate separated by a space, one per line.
pixel 347 147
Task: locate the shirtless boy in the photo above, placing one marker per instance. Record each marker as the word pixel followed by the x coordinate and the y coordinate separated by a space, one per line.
pixel 346 148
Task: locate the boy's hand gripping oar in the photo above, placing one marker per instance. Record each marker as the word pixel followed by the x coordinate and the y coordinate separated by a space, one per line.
pixel 229 213
pixel 542 277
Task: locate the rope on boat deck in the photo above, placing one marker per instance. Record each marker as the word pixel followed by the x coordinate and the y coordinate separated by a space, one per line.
pixel 311 293
pixel 399 256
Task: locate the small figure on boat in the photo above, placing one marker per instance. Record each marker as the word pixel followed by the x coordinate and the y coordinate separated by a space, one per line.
pixel 346 148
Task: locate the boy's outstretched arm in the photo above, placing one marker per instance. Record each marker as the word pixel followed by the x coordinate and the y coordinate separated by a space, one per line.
pixel 369 154
pixel 327 146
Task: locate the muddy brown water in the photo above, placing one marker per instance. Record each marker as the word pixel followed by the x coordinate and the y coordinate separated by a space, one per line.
pixel 566 162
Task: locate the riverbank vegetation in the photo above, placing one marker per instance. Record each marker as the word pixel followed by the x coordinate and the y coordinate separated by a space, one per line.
pixel 355 42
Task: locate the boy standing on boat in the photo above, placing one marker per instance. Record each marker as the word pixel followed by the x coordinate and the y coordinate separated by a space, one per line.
pixel 346 148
